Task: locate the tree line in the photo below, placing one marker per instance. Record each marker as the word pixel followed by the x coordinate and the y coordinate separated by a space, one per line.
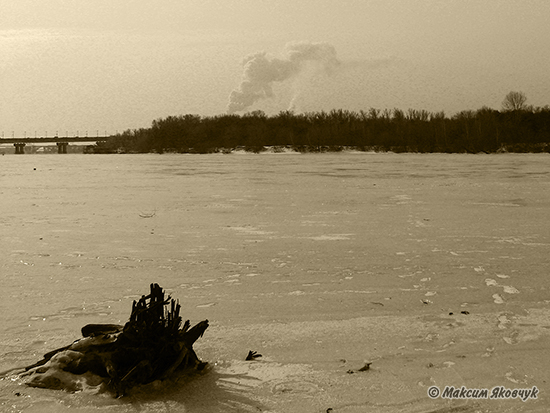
pixel 516 128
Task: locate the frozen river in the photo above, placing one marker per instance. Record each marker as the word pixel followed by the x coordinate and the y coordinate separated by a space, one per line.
pixel 433 267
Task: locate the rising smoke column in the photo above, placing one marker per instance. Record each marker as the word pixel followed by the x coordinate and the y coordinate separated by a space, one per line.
pixel 261 71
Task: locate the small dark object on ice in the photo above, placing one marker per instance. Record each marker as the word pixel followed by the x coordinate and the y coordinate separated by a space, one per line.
pixel 364 368
pixel 252 355
pixel 465 312
pixel 150 346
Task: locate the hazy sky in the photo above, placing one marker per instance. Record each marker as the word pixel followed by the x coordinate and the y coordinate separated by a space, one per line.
pixel 107 65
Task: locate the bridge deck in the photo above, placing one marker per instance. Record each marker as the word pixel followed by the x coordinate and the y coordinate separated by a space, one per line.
pixel 55 139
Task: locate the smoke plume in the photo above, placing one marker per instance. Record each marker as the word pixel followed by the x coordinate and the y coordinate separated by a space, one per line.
pixel 261 71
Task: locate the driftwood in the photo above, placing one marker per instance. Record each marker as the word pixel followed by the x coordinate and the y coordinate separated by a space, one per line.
pixel 150 346
pixel 252 355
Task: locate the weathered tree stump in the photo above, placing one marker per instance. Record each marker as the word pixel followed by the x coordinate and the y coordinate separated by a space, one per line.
pixel 150 346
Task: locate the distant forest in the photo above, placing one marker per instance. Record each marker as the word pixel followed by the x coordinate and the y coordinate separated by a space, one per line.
pixel 516 128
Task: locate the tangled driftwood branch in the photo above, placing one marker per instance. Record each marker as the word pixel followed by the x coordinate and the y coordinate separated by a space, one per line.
pixel 150 346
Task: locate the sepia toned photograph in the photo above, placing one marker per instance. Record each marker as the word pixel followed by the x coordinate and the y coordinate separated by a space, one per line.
pixel 275 206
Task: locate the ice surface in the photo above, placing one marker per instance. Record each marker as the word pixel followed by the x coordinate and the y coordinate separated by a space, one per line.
pixel 432 267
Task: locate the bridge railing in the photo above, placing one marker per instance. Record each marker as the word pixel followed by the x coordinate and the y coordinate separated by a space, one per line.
pixel 54 139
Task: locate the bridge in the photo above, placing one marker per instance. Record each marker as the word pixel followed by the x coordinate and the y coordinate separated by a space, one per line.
pixel 62 142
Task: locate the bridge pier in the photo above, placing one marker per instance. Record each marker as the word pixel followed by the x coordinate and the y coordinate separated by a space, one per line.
pixel 62 147
pixel 19 148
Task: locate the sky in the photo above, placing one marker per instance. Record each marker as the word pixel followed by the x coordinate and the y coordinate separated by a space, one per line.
pixel 104 66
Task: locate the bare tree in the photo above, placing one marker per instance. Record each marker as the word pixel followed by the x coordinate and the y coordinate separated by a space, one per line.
pixel 514 101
